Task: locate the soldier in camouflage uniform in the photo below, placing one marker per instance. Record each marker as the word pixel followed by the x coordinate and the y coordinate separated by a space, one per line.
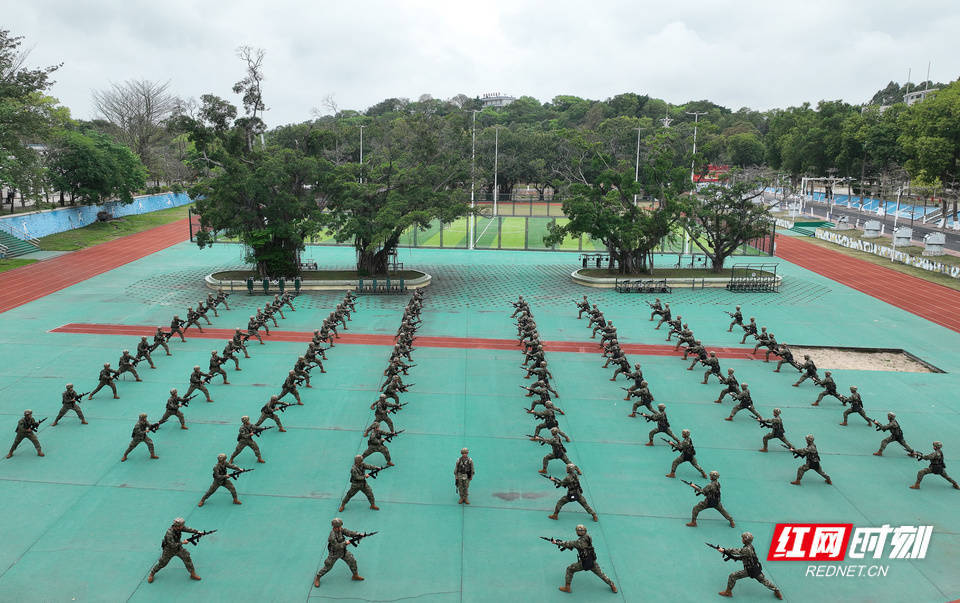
pixel 462 474
pixel 549 417
pixel 196 383
pixel 70 400
pixel 856 406
pixel 381 411
pixel 711 500
pixel 586 559
pixel 253 329
pixel 713 368
pixel 744 402
pixel 696 350
pixel 290 387
pixel 646 399
pixel 141 429
pixel 751 566
pixel 174 402
pixel 896 435
pixel 222 298
pixel 775 423
pixel 160 341
pixel 656 308
pixel 783 352
pixel 311 356
pixel 106 377
pixel 358 482
pixel 230 353
pixel 193 319
pixel 540 370
pixel 582 306
pixel 221 479
pixel 687 454
pixel 731 386
pixel 663 424
pixel 829 388
pixel 937 466
pixel 126 365
pixel 737 317
pixel 216 367
pixel 811 461
pixel 172 547
pixel 26 430
pixel 749 329
pixel 809 370
pixel 337 543
pixel 574 492
pixel 176 328
pixel 665 316
pixel 239 343
pixel 245 439
pixel 557 449
pixel 143 352
pixel 763 338
pixel 375 442
pixel 269 411
pixel 212 304
pixel 637 376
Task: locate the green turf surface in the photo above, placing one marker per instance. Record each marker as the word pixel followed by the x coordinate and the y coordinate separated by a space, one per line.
pixel 11 263
pixel 100 232
pixel 80 525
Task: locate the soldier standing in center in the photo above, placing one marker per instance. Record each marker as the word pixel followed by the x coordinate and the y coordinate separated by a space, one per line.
pixel 69 400
pixel 196 383
pixel 462 475
pixel 663 424
pixel 193 319
pixel 896 435
pixel 574 492
pixel 358 482
pixel 375 443
pixel 221 479
pixel 160 341
pixel 549 416
pixel 269 411
pixel 106 377
pixel 127 364
pixel 586 559
pixel 230 353
pixel 174 402
pixel 26 430
pixel 687 454
pixel 381 409
pixel 829 388
pixel 290 387
pixel 711 499
pixel 749 329
pixel 646 399
pixel 751 566
pixel 637 376
pixel 737 317
pixel 140 431
pixel 809 370
pixel 731 386
pixel 172 547
pixel 176 328
pixel 811 461
pixel 856 406
pixel 143 352
pixel 253 329
pixel 744 402
pixel 713 368
pixel 665 316
pixel 337 549
pixel 245 439
pixel 216 367
pixel 557 449
pixel 775 423
pixel 239 342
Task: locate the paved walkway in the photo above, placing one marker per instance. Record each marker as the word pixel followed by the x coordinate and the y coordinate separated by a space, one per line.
pixel 33 281
pixel 928 300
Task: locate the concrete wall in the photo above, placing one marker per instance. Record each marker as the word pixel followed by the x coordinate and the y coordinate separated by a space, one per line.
pixel 42 223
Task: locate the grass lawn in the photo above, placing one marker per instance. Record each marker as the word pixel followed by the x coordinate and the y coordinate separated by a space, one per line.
pixel 664 273
pixel 102 232
pixel 933 277
pixel 11 263
pixel 318 275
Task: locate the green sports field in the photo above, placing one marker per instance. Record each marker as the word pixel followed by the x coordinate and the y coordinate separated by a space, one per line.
pixel 78 525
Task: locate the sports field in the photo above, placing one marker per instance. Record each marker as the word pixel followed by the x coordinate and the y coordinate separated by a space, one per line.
pixel 80 525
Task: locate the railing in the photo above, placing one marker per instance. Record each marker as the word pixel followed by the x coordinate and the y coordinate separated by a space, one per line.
pixel 3 251
pixel 20 235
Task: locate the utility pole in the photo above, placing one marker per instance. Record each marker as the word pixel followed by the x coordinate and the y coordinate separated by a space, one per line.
pixel 473 168
pixel 696 117
pixel 361 153
pixel 496 158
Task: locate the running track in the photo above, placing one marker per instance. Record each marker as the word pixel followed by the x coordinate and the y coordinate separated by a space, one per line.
pixel 472 343
pixel 33 281
pixel 928 300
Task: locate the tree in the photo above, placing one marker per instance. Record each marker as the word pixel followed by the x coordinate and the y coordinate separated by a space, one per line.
pixel 414 171
pixel 721 217
pixel 139 110
pixel 93 168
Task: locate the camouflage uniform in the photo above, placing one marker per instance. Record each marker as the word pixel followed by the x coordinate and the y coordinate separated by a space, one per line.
pixel 809 370
pixel 196 383
pixel 711 500
pixel 775 423
pixel 856 406
pixel 229 353
pixel 829 388
pixel 337 549
pixel 937 467
pixel 358 483
pixel 160 341
pixel 216 367
pixel 749 329
pixel 811 461
pixel 462 474
pixel 687 454
pixel 253 329
pixel 173 409
pixel 731 386
pixel 106 377
pixel 25 431
pixel 896 435
pixel 381 409
pixel 646 399
pixel 139 435
pixel 663 424
pixel 143 352
pixel 290 387
pixel 172 547
pixel 269 411
pixel 176 328
pixel 125 365
pixel 574 494
pixel 737 317
pixel 744 402
pixel 751 566
pixel 586 559
pixel 69 400
pixel 239 343
pixel 221 478
pixel 245 439
pixel 558 450
pixel 549 416
pixel 713 368
pixel 193 318
pixel 375 443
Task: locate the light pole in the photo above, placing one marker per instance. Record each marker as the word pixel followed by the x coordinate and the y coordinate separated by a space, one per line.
pixel 496 158
pixel 361 153
pixel 696 117
pixel 473 168
pixel 636 174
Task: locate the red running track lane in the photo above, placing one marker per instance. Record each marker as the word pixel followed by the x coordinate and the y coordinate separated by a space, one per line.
pixel 928 300
pixel 33 281
pixel 387 340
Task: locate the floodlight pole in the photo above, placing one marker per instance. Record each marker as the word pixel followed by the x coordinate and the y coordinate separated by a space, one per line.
pixel 696 117
pixel 636 175
pixel 473 169
pixel 496 158
pixel 361 153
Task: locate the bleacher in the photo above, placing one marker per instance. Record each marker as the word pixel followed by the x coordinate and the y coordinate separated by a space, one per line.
pixel 642 286
pixel 754 278
pixel 385 286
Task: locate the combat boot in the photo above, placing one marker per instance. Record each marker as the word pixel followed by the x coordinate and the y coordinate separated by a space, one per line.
pixel 194 576
pixel 356 577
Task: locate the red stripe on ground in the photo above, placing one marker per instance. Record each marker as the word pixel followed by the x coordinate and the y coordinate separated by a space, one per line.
pixel 928 300
pixel 33 281
pixel 387 340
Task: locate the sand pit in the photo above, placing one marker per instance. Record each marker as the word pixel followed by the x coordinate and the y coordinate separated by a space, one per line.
pixel 864 359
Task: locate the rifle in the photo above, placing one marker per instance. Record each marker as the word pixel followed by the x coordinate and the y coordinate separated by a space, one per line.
pixel 697 489
pixel 236 473
pixel 646 416
pixel 37 426
pixel 726 555
pixel 796 454
pixel 154 427
pixel 876 424
pixel 763 422
pixel 77 399
pixel 258 430
pixel 373 472
pixel 356 539
pixel 671 442
pixel 555 541
pixel 135 361
pixel 916 454
pixel 186 401
pixel 195 538
pixel 299 380
pixel 284 406
pixel 730 314
pixel 556 482
pixel 536 438
pixel 396 408
pixel 392 435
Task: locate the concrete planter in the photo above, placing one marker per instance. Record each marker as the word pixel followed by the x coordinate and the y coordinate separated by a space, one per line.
pixel 610 283
pixel 339 285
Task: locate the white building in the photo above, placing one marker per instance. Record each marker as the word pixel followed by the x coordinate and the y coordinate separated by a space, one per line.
pixel 917 95
pixel 496 99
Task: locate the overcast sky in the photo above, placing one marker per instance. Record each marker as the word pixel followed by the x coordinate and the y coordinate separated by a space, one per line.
pixel 760 54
